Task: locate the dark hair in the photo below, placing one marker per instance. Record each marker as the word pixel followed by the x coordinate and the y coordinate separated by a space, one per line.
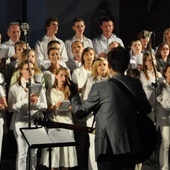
pixel 118 59
pixel 158 52
pixel 87 49
pixel 48 22
pixel 133 72
pixel 164 70
pixel 77 19
pixel 106 19
pixel 52 42
pixel 51 49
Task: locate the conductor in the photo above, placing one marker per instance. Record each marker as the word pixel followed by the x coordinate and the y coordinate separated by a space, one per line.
pixel 116 138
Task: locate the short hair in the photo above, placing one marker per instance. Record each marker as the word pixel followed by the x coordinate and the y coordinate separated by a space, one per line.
pixel 118 59
pixel 51 49
pixel 20 43
pixel 76 42
pixel 106 19
pixel 77 19
pixel 49 20
pixel 13 23
pixel 51 43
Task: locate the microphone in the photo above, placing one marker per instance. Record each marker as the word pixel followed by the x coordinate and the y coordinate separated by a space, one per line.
pixel 25 27
pixel 147 34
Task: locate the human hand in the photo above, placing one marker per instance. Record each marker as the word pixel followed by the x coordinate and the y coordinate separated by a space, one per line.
pixel 33 98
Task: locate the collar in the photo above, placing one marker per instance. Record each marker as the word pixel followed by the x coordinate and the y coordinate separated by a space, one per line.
pixel 46 38
pixel 104 38
pixel 11 43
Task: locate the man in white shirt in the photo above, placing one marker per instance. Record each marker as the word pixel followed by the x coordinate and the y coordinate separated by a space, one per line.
pixel 78 27
pixel 101 42
pixel 14 34
pixel 77 49
pixel 51 27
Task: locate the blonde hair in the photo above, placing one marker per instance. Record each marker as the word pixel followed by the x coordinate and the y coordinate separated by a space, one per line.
pixel 66 90
pixel 96 63
pixel 164 35
pixel 24 56
pixel 145 56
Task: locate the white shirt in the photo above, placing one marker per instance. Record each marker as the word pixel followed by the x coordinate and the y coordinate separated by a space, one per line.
pixel 41 51
pixel 136 60
pixel 10 44
pixel 147 86
pixel 101 43
pixel 18 103
pixel 80 75
pixel 86 43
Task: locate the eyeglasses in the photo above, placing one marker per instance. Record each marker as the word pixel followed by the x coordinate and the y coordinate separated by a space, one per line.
pixel 28 69
pixel 165 49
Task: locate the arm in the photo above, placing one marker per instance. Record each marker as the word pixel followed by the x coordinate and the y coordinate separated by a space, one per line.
pixel 84 109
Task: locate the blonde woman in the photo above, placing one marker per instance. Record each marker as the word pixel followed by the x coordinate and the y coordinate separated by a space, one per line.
pixel 30 56
pixel 166 36
pixel 18 104
pixel 100 72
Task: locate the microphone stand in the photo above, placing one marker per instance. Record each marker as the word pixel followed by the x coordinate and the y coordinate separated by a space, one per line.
pixel 155 85
pixel 25 28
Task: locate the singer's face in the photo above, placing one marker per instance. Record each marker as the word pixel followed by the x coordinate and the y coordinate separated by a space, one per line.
pixel 164 51
pixel 53 28
pixel 54 56
pixel 27 72
pixel 31 56
pixel 136 47
pixel 62 77
pixel 79 27
pixel 107 28
pixel 102 68
pixel 167 74
pixel 144 42
pixel 14 33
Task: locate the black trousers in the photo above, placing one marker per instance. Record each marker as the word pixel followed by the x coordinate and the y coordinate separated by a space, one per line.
pixel 115 162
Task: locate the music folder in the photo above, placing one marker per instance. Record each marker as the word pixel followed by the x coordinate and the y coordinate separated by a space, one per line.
pixel 53 137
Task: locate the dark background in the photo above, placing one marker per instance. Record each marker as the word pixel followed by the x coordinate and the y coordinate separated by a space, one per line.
pixel 130 16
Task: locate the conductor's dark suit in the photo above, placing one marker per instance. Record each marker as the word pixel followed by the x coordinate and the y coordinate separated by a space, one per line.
pixel 115 115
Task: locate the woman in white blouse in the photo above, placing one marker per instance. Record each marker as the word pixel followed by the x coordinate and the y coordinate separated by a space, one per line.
pixel 18 104
pixel 3 107
pixel 81 74
pixel 61 157
pixel 100 72
pixel 49 75
pixel 164 118
pixel 149 77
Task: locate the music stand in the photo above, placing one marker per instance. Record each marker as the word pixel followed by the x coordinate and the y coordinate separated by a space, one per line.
pixel 39 137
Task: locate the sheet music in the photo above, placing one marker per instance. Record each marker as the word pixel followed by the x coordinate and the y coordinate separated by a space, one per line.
pixel 58 135
pixel 36 88
pixel 36 136
pixel 65 106
pixel 41 136
pixel 3 51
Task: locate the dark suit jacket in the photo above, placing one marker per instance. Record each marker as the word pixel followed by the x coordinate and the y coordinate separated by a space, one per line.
pixel 115 115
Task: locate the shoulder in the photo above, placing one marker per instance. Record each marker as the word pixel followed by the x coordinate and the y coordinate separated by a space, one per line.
pixel 97 38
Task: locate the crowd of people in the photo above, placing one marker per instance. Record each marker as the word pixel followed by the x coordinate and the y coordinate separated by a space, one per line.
pixel 53 63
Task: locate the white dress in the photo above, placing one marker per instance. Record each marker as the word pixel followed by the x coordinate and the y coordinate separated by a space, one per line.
pixel 2 94
pixel 60 156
